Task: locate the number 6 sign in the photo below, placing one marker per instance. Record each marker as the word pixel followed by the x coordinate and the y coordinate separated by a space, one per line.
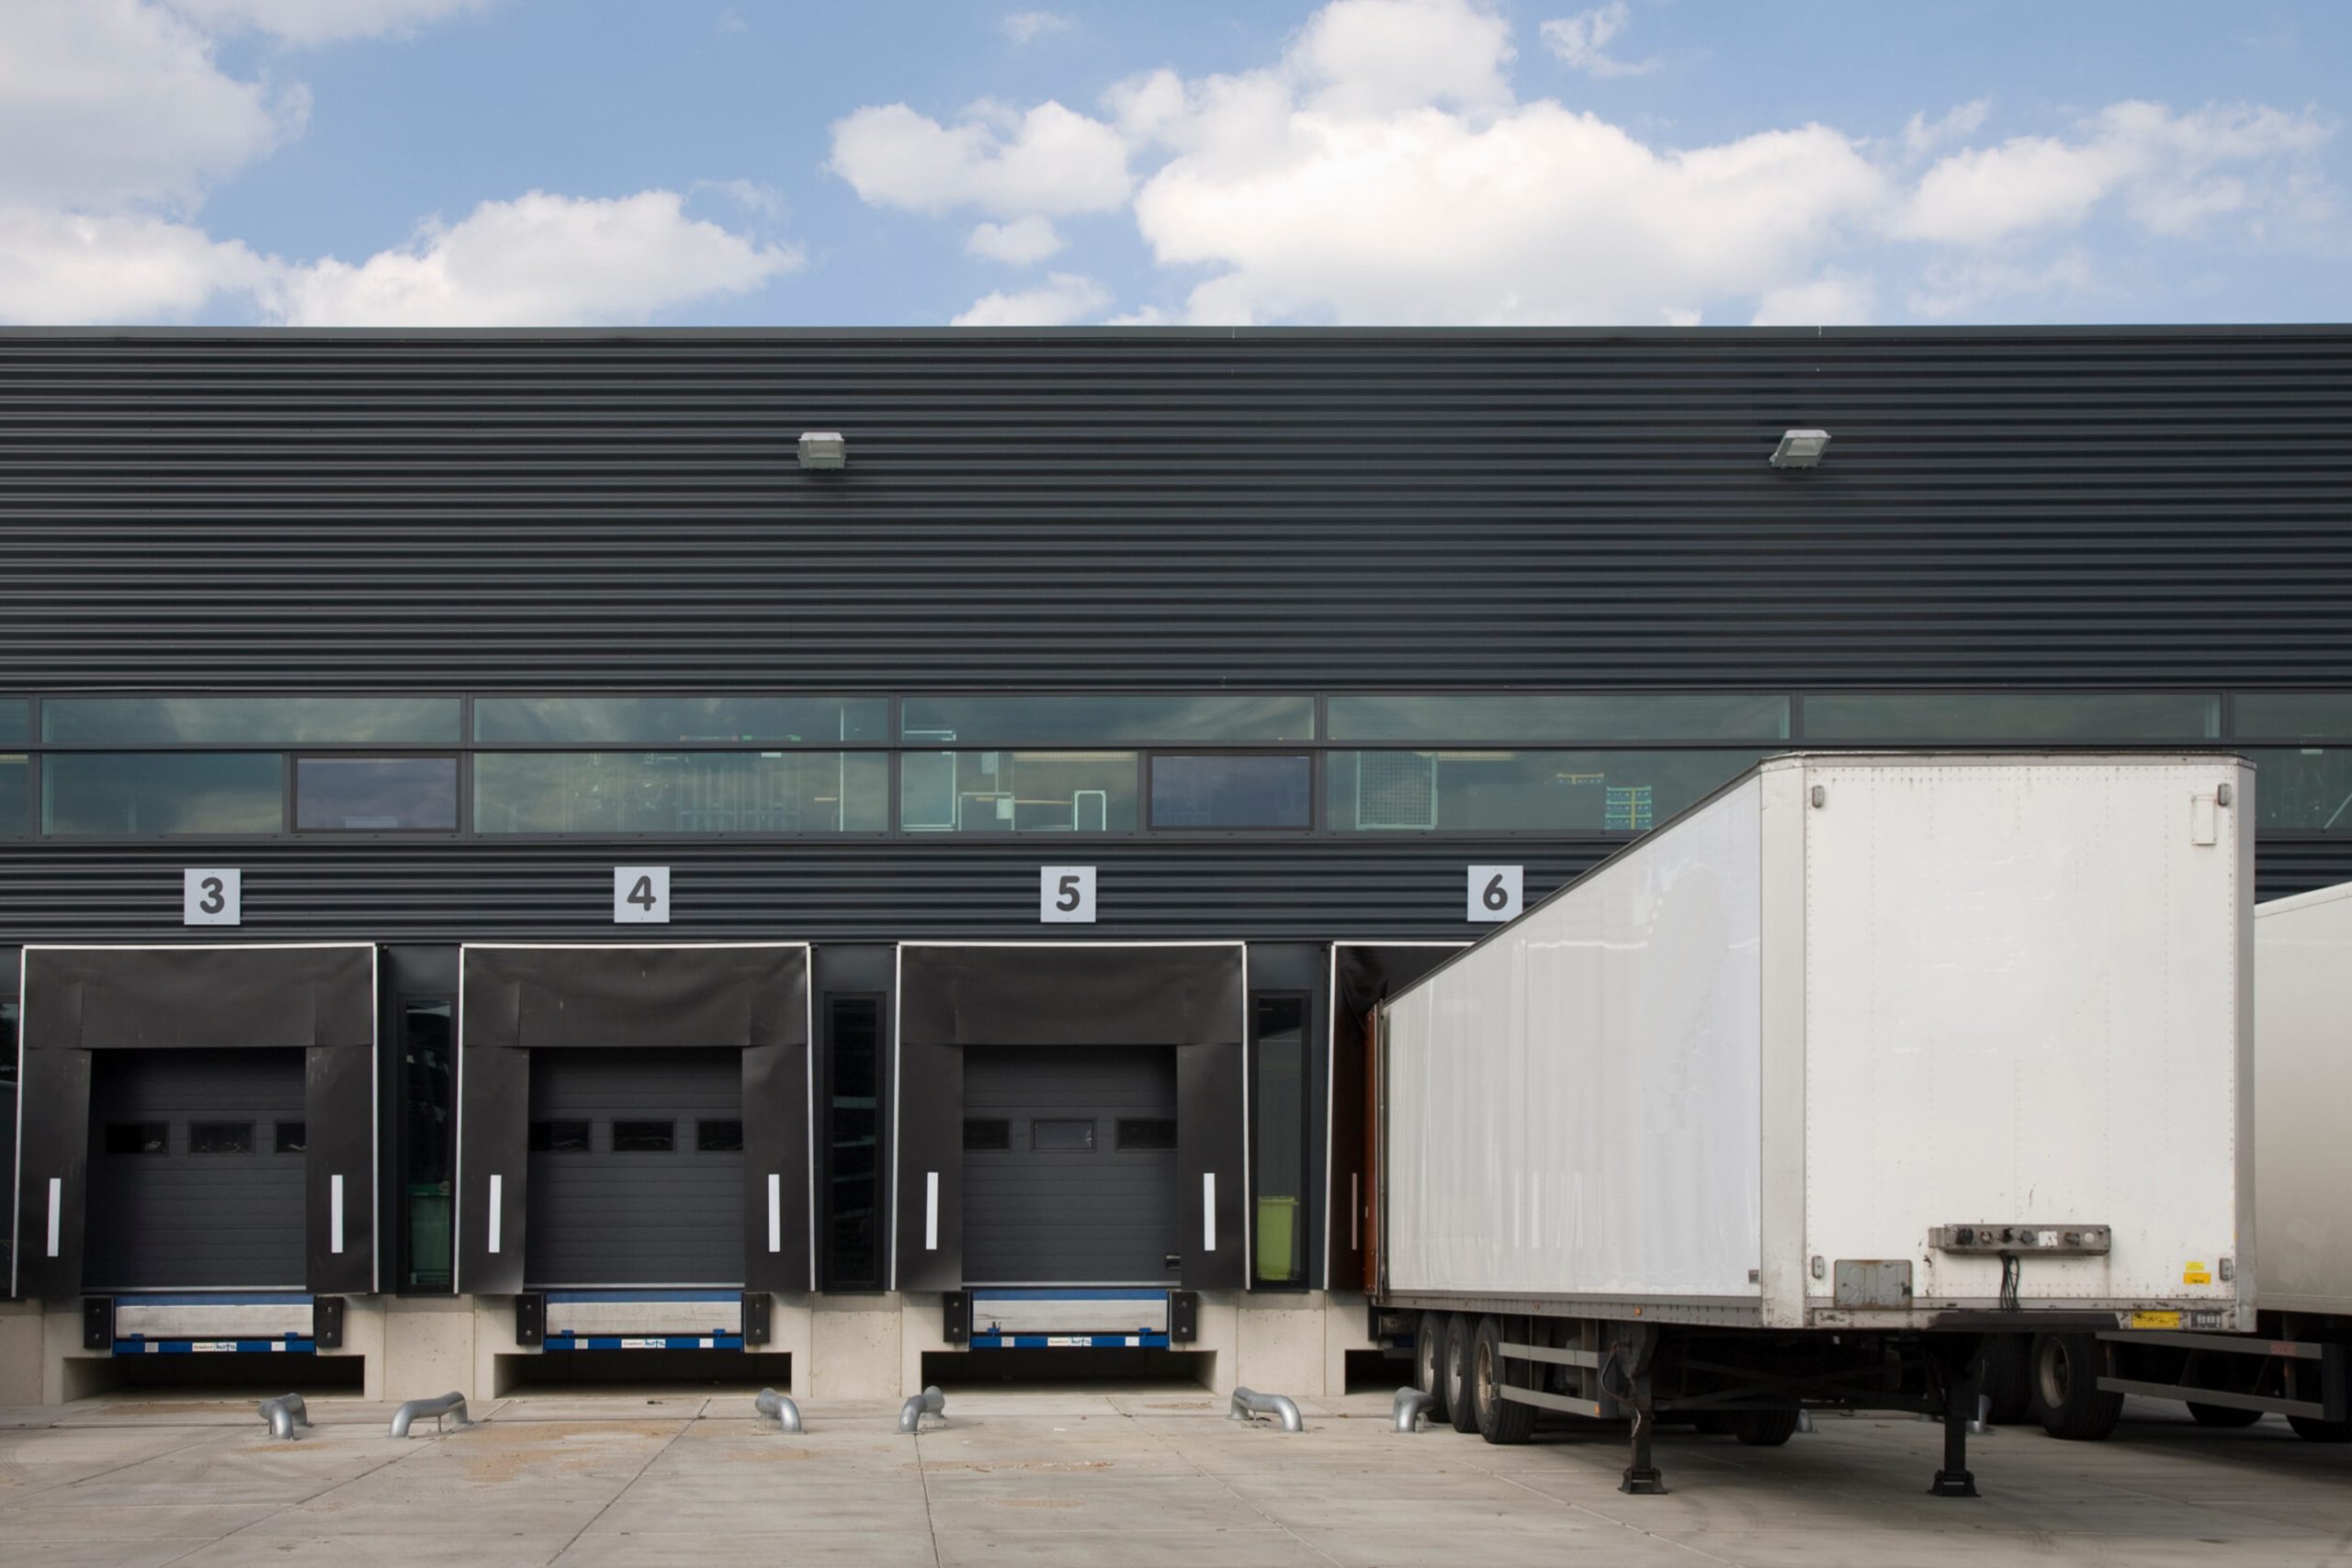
pixel 1495 893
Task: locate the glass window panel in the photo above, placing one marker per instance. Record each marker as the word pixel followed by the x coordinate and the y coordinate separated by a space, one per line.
pixel 1081 720
pixel 644 1137
pixel 427 1103
pixel 1573 791
pixel 987 1133
pixel 2304 789
pixel 1148 1135
pixel 718 1137
pixel 852 1186
pixel 1017 792
pixel 250 721
pixel 221 1138
pixel 137 1138
pixel 565 1137
pixel 13 722
pixel 16 796
pixel 1062 1135
pixel 292 1138
pixel 679 720
pixel 1278 1108
pixel 1557 716
pixel 1953 718
pixel 1232 792
pixel 375 794
pixel 2294 716
pixel 161 793
pixel 681 792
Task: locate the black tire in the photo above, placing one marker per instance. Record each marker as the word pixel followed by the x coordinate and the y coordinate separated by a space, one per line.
pixel 1428 1364
pixel 2007 1383
pixel 1457 1374
pixel 1499 1420
pixel 2062 1370
pixel 2312 1429
pixel 1763 1428
pixel 2222 1416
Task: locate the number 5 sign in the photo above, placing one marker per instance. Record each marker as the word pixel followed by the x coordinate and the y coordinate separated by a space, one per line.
pixel 1066 894
pixel 641 894
pixel 1495 893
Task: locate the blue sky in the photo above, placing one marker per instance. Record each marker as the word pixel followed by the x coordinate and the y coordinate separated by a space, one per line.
pixel 1645 161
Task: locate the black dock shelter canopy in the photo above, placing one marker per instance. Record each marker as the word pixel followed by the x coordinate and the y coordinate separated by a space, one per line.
pixel 81 1001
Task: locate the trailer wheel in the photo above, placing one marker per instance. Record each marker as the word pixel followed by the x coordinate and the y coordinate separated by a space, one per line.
pixel 2223 1416
pixel 1763 1428
pixel 2063 1370
pixel 2008 1382
pixel 2312 1429
pixel 1499 1420
pixel 1428 1364
pixel 1457 1374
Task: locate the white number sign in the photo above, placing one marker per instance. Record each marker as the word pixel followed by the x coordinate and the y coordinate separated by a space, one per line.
pixel 1494 892
pixel 641 894
pixel 209 897
pixel 1066 894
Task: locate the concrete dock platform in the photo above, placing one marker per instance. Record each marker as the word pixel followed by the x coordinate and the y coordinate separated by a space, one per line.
pixel 1125 1477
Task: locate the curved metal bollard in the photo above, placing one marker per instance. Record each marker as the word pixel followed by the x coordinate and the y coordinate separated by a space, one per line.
pixel 284 1414
pixel 780 1405
pixel 930 1402
pixel 447 1405
pixel 1410 1405
pixel 1246 1403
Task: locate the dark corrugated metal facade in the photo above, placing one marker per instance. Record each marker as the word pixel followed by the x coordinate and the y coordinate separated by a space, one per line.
pixel 1276 510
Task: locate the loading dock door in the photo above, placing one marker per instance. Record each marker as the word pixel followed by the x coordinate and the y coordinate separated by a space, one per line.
pixel 196 1169
pixel 1069 1166
pixel 636 1169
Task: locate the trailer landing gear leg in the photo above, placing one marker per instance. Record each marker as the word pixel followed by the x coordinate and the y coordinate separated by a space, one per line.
pixel 1642 1477
pixel 1959 1405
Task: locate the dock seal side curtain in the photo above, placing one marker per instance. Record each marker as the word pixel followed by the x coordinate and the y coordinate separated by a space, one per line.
pixel 79 999
pixel 1185 996
pixel 754 998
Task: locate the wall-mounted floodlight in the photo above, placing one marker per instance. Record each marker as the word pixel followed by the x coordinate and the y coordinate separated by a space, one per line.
pixel 830 449
pixel 1798 448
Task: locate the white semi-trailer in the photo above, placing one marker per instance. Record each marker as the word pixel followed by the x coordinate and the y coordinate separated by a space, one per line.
pixel 2297 1361
pixel 1796 1100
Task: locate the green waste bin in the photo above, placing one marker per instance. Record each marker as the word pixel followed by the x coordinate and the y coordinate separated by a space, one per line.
pixel 1277 1239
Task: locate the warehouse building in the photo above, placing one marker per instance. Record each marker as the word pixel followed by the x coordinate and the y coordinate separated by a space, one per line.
pixel 839 859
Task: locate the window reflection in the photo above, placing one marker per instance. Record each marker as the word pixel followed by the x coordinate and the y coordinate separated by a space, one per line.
pixel 16 796
pixel 250 721
pixel 1017 792
pixel 679 720
pixel 1231 791
pixel 2293 715
pixel 13 723
pixel 1557 716
pixel 375 794
pixel 1081 720
pixel 681 792
pixel 1585 792
pixel 2304 789
pixel 1957 717
pixel 160 793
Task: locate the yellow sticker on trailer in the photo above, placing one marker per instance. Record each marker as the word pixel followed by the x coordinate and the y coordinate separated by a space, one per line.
pixel 2196 1274
pixel 2155 1320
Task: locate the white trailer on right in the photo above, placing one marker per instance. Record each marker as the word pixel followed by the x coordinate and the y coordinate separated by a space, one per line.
pixel 2299 1359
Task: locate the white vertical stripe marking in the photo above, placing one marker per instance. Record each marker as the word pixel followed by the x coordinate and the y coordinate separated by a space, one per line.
pixel 497 1201
pixel 775 1212
pixel 1208 1211
pixel 56 1211
pixel 931 1211
pixel 334 1213
pixel 1355 1210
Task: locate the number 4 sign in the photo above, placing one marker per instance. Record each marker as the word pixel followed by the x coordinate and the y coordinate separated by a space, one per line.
pixel 1495 893
pixel 641 894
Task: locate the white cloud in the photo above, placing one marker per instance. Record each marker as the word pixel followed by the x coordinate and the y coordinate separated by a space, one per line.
pixel 105 103
pixel 2172 172
pixel 1582 41
pixel 1021 243
pixel 1028 27
pixel 539 260
pixel 1371 56
pixel 1064 297
pixel 1050 160
pixel 1922 135
pixel 1833 299
pixel 61 267
pixel 1950 287
pixel 321 21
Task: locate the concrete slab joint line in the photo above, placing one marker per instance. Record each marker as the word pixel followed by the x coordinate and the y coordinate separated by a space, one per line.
pixel 1248 1403
pixel 930 1402
pixel 787 1414
pixel 1410 1404
pixel 442 1409
pixel 284 1414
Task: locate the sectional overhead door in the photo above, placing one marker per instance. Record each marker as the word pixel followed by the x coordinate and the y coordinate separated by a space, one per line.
pixel 196 1163
pixel 635 1168
pixel 1069 1166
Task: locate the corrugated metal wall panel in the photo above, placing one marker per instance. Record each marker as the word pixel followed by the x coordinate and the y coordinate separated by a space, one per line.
pixel 1089 509
pixel 1293 890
